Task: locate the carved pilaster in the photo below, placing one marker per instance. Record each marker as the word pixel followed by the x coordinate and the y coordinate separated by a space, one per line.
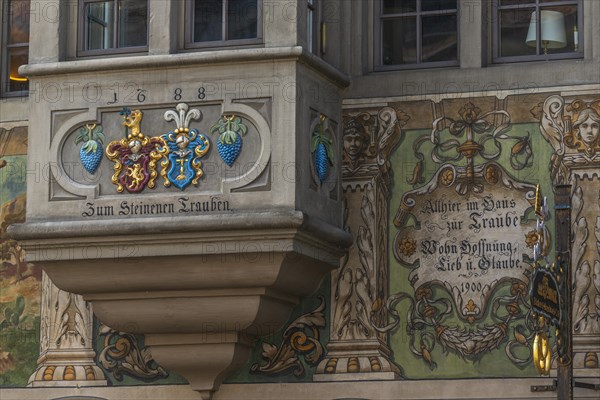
pixel 356 350
pixel 66 353
pixel 573 130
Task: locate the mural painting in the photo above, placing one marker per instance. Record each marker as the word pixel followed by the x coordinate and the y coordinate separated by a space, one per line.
pixel 572 127
pixel 126 360
pixel 20 281
pixel 291 353
pixel 440 201
pixel 123 358
pixel 463 242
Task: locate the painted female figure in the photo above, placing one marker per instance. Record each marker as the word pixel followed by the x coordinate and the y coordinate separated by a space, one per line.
pixel 586 128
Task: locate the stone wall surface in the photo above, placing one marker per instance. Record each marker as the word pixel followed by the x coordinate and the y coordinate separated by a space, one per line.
pixel 261 222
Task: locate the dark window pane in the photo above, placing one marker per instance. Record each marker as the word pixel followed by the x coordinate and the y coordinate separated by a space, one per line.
pixel 437 5
pixel 99 25
pixel 516 2
pixel 208 20
pixel 17 56
pixel 399 6
pixel 439 41
pixel 559 28
pixel 399 41
pixel 18 31
pixel 133 25
pixel 514 26
pixel 310 28
pixel 241 19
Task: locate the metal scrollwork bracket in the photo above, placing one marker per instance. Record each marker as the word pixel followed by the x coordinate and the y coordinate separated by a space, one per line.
pixel 585 385
pixel 545 388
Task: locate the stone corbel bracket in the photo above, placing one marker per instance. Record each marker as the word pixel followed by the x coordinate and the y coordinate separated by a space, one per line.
pixel 200 288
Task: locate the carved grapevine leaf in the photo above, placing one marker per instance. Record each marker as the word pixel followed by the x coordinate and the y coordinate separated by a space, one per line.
pixel 582 281
pixel 582 300
pixel 597 286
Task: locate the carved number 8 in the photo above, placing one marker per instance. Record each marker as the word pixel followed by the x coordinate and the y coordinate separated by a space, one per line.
pixel 177 94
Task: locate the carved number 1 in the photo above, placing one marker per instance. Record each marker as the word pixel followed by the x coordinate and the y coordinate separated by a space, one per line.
pixel 114 99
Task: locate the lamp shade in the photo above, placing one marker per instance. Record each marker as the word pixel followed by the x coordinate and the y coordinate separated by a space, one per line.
pixel 553 30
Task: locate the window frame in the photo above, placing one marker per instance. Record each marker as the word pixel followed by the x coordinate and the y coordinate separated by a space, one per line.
pixel 190 44
pixel 82 35
pixel 537 4
pixel 419 14
pixel 5 46
pixel 313 27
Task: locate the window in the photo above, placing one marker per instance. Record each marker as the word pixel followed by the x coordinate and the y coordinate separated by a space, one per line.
pixel 414 33
pixel 311 28
pixel 222 22
pixel 113 26
pixel 15 47
pixel 527 30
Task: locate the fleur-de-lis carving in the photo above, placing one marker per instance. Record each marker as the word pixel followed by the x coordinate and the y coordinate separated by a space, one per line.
pixel 182 117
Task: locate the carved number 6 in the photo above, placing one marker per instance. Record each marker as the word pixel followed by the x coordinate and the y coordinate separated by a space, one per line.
pixel 141 97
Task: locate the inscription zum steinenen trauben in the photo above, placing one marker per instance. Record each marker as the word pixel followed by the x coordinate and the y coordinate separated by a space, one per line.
pixel 182 205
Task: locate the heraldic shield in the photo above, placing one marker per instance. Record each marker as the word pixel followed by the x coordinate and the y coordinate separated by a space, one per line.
pixel 184 148
pixel 135 157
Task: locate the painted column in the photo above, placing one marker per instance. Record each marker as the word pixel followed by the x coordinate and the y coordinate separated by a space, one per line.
pixel 572 127
pixel 66 353
pixel 356 350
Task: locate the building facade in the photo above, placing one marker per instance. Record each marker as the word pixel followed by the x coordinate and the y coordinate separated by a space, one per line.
pixel 326 199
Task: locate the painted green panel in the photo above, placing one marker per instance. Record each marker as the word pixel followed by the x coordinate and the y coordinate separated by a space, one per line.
pixel 428 358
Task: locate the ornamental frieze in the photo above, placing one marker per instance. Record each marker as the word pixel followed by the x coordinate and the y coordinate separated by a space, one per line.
pixel 192 157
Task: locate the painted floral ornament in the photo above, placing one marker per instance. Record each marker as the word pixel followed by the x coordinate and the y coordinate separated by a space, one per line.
pixel 91 151
pixel 135 156
pixel 322 150
pixel 230 129
pixel 184 148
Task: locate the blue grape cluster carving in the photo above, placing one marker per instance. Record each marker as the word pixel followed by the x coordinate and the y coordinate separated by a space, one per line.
pixel 91 151
pixel 230 152
pixel 321 162
pixel 230 129
pixel 322 149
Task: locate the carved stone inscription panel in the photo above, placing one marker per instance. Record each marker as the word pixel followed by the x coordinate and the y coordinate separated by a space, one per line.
pixel 466 243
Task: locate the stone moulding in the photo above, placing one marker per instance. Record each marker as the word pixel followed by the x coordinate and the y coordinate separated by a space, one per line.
pixel 181 59
pixel 201 289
